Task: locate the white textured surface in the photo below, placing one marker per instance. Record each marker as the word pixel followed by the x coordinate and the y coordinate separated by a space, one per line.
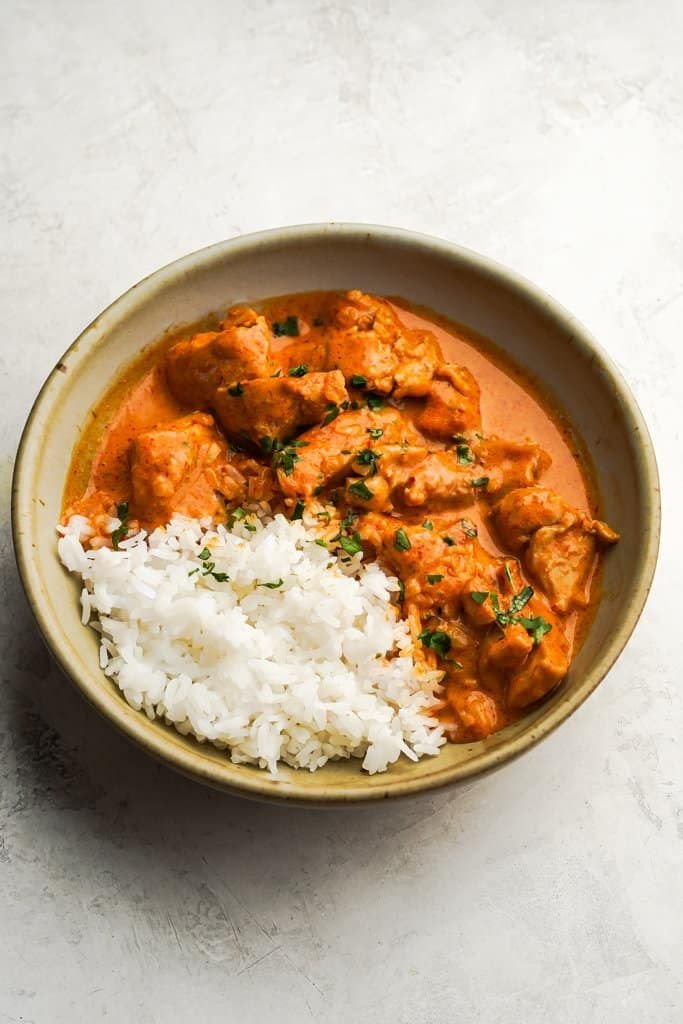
pixel 548 135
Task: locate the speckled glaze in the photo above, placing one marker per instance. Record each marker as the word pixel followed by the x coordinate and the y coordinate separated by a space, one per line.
pixel 538 334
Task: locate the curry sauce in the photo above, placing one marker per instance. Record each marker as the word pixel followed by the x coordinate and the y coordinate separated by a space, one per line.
pixel 395 432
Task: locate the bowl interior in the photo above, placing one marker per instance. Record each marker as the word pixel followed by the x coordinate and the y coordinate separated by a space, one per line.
pixel 533 329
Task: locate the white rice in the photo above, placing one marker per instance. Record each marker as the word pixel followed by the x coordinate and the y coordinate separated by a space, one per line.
pixel 316 669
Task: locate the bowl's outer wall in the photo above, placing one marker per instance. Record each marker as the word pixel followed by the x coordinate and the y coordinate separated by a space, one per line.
pixel 534 330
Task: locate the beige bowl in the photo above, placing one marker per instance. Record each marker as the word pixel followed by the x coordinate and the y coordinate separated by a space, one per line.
pixel 531 327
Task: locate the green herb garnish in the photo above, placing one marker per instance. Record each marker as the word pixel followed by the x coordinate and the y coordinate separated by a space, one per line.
pixel 480 481
pixel 449 541
pixel 479 596
pixel 469 529
pixel 374 402
pixel 288 327
pixel 508 574
pixel 358 380
pixel 236 390
pixel 464 454
pixel 204 554
pixel 434 577
pixel 361 490
pixel 331 414
pixel 298 510
pixel 121 532
pixel 437 641
pixel 520 599
pixel 271 586
pixel 401 590
pixel 368 457
pixel 298 371
pixel 428 524
pixel 375 433
pixel 401 540
pixel 284 456
pixel 536 627
pixel 351 545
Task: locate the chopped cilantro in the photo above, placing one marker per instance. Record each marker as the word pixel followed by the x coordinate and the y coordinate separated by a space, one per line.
pixel 351 545
pixel 320 542
pixel 401 590
pixel 331 414
pixel 220 577
pixel 520 599
pixel 204 554
pixel 288 327
pixel 374 402
pixel 375 433
pixel 401 540
pixel 298 371
pixel 437 641
pixel 368 457
pixel 465 456
pixel 428 524
pixel 271 586
pixel 469 528
pixel 193 571
pixel 358 380
pixel 536 627
pixel 298 510
pixel 479 596
pixel 480 481
pixel 121 532
pixel 361 490
pixel 284 456
pixel 434 577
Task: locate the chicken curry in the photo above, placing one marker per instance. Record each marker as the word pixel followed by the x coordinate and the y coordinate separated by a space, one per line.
pixel 398 434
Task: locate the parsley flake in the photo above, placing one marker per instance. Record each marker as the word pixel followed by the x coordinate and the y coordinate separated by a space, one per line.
pixel 121 532
pixel 436 640
pixel 351 545
pixel 375 433
pixel 298 371
pixel 361 490
pixel 358 380
pixel 434 577
pixel 288 327
pixel 401 540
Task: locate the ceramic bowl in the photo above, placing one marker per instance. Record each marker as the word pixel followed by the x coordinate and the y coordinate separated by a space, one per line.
pixel 530 326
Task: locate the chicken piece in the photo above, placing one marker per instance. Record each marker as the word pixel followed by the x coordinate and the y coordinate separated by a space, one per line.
pixel 452 405
pixel 476 710
pixel 277 407
pixel 329 451
pixel 369 340
pixel 509 464
pixel 527 658
pixel 546 666
pixel 559 542
pixel 418 477
pixel 302 352
pixel 183 467
pixel 434 570
pixel 197 367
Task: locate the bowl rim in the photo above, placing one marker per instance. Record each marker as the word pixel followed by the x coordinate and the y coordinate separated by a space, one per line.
pixel 259 785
